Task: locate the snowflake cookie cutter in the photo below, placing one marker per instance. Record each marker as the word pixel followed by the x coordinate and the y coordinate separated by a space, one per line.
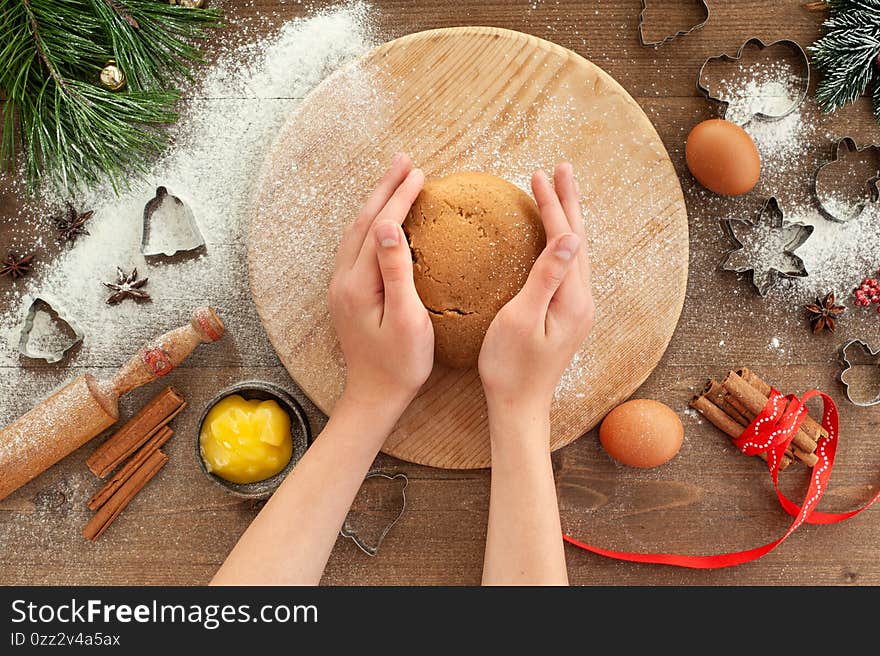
pixel 803 80
pixel 853 389
pixel 842 150
pixel 666 39
pixel 783 263
pixel 371 548
pixel 49 305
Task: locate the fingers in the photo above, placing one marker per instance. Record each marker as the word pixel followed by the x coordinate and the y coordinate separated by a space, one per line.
pixel 569 197
pixel 550 270
pixel 403 197
pixel 396 267
pixel 395 210
pixel 566 190
pixel 355 234
pixel 552 215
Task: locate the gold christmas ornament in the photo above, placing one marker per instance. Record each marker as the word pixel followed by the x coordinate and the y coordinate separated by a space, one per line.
pixel 192 4
pixel 112 76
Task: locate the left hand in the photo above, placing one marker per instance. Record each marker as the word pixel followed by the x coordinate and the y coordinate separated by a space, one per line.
pixel 384 329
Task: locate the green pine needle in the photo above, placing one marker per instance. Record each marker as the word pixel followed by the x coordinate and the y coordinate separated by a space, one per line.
pixel 847 54
pixel 69 130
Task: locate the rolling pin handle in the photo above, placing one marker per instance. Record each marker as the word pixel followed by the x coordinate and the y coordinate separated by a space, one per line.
pixel 207 324
pixel 161 356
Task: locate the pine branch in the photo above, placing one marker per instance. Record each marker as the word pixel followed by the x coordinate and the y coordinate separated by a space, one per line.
pixel 876 98
pixel 69 129
pixel 848 53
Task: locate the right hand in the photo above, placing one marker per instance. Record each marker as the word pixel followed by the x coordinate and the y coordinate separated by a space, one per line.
pixel 533 338
pixel 384 330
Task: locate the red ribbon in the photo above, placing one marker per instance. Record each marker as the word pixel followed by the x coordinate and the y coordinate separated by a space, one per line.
pixel 770 433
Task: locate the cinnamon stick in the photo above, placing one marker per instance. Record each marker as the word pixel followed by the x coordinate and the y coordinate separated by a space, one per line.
pixel 123 496
pixel 725 423
pixel 716 395
pixel 809 458
pixel 136 432
pixel 129 468
pixel 810 426
pixel 753 401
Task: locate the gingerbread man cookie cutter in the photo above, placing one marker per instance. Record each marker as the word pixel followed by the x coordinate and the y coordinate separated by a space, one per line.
pixel 854 389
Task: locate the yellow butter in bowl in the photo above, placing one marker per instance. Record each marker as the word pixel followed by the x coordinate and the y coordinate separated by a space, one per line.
pixel 244 441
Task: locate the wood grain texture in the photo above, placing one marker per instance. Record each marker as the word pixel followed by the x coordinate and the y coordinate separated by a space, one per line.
pixel 707 500
pixel 489 100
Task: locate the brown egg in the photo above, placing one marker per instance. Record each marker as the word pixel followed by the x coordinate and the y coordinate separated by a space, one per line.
pixel 723 157
pixel 642 433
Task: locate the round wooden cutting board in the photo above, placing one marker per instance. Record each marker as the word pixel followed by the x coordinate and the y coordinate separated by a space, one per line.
pixel 486 99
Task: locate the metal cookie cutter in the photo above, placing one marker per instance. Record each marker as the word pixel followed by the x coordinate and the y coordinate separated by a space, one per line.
pixel 667 39
pixel 853 388
pixel 843 149
pixel 786 239
pixel 348 531
pixel 803 86
pixel 169 226
pixel 54 351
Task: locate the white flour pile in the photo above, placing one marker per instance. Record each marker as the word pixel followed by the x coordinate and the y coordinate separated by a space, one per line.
pixel 837 256
pixel 219 145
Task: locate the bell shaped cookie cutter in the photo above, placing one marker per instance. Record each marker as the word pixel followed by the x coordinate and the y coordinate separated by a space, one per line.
pixel 47 304
pixel 766 268
pixel 348 531
pixel 803 80
pixel 842 149
pixel 850 387
pixel 169 227
pixel 656 44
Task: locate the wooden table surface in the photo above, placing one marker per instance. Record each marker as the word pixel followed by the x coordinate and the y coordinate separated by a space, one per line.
pixel 709 499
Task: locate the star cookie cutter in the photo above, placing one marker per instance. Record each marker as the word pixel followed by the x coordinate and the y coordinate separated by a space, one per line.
pixel 50 306
pixel 767 266
pixel 853 388
pixel 803 80
pixel 666 39
pixel 351 532
pixel 843 150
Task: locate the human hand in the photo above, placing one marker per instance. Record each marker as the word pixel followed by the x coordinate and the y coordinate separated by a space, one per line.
pixel 532 339
pixel 383 328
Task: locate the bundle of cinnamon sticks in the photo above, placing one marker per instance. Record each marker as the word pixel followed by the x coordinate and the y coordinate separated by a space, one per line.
pixel 732 404
pixel 138 444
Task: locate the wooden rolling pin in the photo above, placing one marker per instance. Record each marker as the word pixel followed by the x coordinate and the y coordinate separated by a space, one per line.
pixel 86 407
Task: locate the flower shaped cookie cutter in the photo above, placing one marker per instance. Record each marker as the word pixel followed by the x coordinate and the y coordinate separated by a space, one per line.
pixel 350 531
pixel 862 393
pixel 766 247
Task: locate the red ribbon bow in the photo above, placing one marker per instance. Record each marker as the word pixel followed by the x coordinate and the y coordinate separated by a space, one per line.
pixel 770 432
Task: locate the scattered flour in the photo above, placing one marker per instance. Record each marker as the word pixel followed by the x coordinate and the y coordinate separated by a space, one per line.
pixel 836 255
pixel 219 143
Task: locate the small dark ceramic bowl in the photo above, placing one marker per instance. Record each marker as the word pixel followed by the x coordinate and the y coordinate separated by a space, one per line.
pixel 299 430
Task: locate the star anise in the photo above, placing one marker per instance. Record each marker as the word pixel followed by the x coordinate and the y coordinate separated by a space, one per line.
pixel 71 224
pixel 127 286
pixel 16 266
pixel 823 314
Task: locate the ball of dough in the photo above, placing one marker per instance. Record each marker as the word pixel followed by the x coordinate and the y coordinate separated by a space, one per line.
pixel 474 238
